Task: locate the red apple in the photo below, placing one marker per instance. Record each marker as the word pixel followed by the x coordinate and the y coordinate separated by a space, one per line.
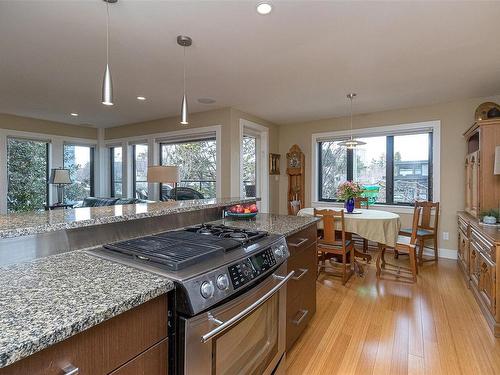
pixel 240 210
pixel 253 208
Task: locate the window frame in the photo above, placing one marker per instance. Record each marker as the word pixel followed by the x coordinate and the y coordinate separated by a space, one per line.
pixel 134 166
pixel 92 163
pixel 186 140
pixel 47 164
pixel 432 127
pixel 112 180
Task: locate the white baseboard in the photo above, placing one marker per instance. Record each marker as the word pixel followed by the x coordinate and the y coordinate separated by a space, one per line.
pixel 443 253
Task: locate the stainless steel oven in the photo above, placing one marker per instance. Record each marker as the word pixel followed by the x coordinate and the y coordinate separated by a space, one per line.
pixel 245 335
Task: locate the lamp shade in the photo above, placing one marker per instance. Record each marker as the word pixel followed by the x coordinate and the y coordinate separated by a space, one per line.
pixel 60 176
pixel 497 160
pixel 164 173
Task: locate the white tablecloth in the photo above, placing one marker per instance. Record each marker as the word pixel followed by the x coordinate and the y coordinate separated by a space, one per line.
pixel 374 225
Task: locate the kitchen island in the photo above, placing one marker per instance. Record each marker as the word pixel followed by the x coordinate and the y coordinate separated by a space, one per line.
pixel 61 297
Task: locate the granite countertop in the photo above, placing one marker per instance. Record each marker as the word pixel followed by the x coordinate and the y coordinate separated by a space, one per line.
pixel 278 224
pixel 27 223
pixel 50 299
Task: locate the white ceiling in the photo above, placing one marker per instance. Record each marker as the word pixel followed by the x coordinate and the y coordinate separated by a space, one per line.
pixel 294 65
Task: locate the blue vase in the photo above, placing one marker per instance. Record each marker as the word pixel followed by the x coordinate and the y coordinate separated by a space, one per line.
pixel 349 205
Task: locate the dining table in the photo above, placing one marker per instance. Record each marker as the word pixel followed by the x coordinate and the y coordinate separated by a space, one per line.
pixel 377 226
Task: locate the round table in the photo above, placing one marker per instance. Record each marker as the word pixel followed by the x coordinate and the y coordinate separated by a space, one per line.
pixel 374 225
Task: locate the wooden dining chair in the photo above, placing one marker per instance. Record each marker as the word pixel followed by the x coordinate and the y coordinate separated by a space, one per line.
pixel 335 244
pixel 404 245
pixel 361 202
pixel 428 222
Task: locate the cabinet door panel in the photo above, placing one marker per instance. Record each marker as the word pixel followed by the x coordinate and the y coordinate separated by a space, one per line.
pixel 463 252
pixel 487 281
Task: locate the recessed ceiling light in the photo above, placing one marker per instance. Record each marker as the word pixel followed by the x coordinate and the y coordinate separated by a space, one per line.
pixel 206 100
pixel 74 114
pixel 141 98
pixel 264 8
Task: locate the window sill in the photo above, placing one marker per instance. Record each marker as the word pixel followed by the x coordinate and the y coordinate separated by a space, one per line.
pixel 382 207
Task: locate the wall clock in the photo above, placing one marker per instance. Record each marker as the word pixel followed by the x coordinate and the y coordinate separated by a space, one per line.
pixel 296 179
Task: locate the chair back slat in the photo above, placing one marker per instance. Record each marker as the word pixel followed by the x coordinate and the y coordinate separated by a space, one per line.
pixel 329 218
pixel 360 202
pixel 428 210
pixel 417 211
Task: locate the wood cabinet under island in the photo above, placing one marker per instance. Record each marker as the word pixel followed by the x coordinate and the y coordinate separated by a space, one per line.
pixel 74 313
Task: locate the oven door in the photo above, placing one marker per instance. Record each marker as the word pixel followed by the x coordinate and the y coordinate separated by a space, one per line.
pixel 243 336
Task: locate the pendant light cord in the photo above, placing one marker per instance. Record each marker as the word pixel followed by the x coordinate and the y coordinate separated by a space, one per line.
pixel 107 33
pixel 184 66
pixel 350 98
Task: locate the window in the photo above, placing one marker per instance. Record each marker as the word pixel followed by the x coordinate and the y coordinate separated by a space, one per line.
pixel 396 169
pixel 249 165
pixel 116 160
pixel 197 160
pixel 27 174
pixel 80 162
pixel 140 171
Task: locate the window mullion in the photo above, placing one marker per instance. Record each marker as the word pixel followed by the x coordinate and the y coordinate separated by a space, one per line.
pixel 350 164
pixel 389 171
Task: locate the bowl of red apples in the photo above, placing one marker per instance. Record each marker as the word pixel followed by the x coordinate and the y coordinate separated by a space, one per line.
pixel 241 211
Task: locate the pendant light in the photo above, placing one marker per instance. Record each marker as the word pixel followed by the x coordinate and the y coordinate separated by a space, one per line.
pixel 184 41
pixel 351 143
pixel 107 82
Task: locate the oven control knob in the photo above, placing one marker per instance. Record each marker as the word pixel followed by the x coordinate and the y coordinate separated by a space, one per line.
pixel 207 289
pixel 222 282
pixel 279 251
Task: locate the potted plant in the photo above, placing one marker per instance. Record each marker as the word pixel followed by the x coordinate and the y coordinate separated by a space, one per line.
pixel 348 191
pixel 490 216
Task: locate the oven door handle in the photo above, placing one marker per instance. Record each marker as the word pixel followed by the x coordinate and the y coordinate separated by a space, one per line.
pixel 227 324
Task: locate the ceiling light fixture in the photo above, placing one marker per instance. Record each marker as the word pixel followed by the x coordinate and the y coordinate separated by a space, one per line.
pixel 141 98
pixel 206 100
pixel 184 41
pixel 264 8
pixel 351 143
pixel 74 114
pixel 107 82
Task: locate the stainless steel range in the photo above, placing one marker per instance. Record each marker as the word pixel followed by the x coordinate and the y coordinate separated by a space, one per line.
pixel 228 312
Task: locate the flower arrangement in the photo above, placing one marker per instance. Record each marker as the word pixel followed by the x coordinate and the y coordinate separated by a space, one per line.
pixel 349 189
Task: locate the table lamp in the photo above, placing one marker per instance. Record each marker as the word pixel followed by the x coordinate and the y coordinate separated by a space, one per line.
pixel 164 174
pixel 60 177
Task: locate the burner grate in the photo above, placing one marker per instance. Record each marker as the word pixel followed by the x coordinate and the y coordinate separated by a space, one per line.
pixel 171 253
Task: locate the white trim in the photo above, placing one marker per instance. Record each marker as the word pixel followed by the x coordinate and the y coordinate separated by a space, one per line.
pixel 262 134
pixel 442 253
pixel 435 126
pixel 153 140
pixel 56 144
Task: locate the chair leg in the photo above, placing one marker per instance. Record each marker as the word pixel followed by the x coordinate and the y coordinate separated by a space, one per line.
pixel 420 244
pixel 414 254
pixel 381 249
pixel 436 248
pixel 413 263
pixel 344 268
pixel 396 254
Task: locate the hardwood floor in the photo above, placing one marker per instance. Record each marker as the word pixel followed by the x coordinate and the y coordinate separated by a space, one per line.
pixel 389 327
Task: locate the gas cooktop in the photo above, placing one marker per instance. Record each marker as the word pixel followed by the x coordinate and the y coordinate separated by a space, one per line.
pixel 179 249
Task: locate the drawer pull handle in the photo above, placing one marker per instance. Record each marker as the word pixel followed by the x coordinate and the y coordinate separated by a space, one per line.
pixel 302 316
pixel 71 370
pixel 303 272
pixel 300 243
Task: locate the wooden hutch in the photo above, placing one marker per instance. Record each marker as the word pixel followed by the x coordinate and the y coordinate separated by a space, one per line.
pixel 479 244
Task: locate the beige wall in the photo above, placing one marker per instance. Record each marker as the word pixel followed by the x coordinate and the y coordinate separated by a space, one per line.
pixel 33 125
pixel 228 119
pixel 455 117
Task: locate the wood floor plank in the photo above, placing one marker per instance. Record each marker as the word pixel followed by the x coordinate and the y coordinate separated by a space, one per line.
pixel 386 327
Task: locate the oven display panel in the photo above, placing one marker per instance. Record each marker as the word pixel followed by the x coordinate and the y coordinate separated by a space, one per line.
pixel 245 271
